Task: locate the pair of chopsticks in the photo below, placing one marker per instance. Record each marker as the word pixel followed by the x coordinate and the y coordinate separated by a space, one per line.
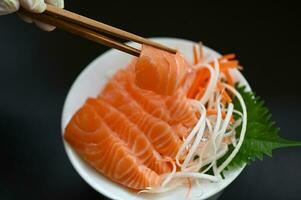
pixel 91 29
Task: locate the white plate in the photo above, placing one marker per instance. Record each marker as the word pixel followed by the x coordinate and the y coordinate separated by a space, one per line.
pixel 89 83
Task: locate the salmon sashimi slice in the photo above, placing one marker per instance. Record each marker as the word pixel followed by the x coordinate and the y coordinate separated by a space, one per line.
pixel 153 106
pixel 133 137
pixel 148 100
pixel 159 133
pixel 160 71
pixel 158 109
pixel 100 147
pixel 182 111
pixel 162 107
pixel 157 105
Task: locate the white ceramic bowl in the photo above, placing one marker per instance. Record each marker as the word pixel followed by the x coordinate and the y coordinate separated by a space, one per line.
pixel 89 83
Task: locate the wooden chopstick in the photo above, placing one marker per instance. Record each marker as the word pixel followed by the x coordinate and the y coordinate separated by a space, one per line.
pixel 90 29
pixel 95 25
pixel 81 31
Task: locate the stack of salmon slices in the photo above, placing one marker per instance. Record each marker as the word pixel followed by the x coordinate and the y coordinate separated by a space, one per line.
pixel 133 130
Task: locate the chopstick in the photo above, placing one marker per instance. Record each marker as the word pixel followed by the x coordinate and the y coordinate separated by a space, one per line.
pixel 93 24
pixel 89 29
pixel 81 31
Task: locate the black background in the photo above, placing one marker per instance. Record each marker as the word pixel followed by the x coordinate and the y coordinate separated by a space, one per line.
pixel 38 68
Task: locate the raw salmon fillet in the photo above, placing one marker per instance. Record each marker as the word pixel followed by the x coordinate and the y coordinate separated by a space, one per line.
pixel 133 137
pixel 101 148
pixel 160 134
pixel 134 128
pixel 175 109
pixel 147 99
pixel 178 106
pixel 160 71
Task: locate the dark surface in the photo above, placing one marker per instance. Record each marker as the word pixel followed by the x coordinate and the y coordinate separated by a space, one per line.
pixel 37 69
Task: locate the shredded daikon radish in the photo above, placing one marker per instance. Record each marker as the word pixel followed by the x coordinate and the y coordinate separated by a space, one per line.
pixel 209 125
pixel 219 116
pixel 243 129
pixel 219 154
pixel 234 141
pixel 178 180
pixel 227 118
pixel 194 131
pixel 236 124
pixel 198 138
pixel 216 133
pixel 172 185
pixel 214 74
pixel 210 102
pixel 226 122
pixel 196 175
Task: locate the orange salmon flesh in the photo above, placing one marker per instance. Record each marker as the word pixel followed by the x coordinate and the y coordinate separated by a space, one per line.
pixel 137 122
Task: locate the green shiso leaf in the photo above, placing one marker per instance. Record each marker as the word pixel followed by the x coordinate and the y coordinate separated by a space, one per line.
pixel 262 135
